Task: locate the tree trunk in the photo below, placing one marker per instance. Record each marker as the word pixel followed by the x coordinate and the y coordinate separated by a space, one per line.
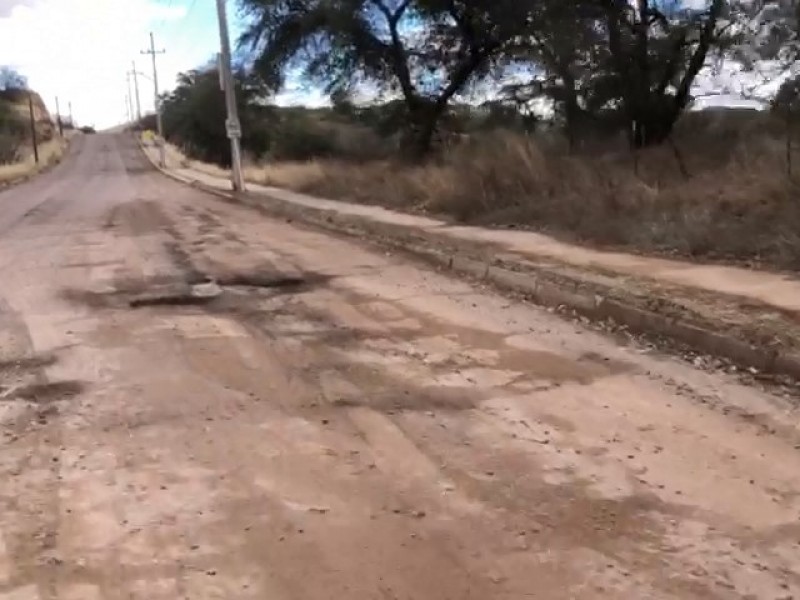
pixel 417 142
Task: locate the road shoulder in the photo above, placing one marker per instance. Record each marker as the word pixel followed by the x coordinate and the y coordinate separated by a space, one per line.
pixel 709 329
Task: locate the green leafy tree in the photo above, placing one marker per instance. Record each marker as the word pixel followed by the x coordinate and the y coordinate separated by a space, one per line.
pixel 624 64
pixel 194 116
pixel 425 52
pixel 11 79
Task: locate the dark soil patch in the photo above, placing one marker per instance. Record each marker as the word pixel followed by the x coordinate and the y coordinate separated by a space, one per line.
pixel 262 281
pixel 91 299
pixel 44 393
pixel 413 400
pixel 175 299
pixel 26 363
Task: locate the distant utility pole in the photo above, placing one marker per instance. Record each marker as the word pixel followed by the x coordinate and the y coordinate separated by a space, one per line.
pixel 136 91
pixel 58 119
pixel 71 119
pixel 127 109
pixel 232 124
pixel 33 129
pixel 162 158
pixel 131 114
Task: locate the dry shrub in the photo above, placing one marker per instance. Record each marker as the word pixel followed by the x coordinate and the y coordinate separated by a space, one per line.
pixel 742 206
pixel 299 176
pixel 50 152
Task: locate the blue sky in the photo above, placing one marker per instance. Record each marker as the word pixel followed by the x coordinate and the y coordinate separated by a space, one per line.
pixel 80 50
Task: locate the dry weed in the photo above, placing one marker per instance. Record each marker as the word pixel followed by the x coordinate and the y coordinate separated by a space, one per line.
pixel 50 152
pixel 741 206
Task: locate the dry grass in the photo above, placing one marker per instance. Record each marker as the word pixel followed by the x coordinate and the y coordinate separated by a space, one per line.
pixel 175 158
pixel 50 152
pixel 738 202
pixel 742 207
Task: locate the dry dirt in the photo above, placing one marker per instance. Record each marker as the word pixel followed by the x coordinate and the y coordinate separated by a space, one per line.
pixel 200 402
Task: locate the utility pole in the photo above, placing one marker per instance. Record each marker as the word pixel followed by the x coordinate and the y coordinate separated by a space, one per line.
pixel 136 91
pixel 127 109
pixel 71 119
pixel 162 159
pixel 58 119
pixel 232 124
pixel 33 129
pixel 131 114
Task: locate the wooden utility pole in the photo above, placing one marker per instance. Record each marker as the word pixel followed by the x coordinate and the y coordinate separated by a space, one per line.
pixel 162 158
pixel 136 91
pixel 232 124
pixel 33 129
pixel 58 119
pixel 129 96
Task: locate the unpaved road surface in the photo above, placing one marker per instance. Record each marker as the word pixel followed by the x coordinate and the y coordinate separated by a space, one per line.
pixel 334 422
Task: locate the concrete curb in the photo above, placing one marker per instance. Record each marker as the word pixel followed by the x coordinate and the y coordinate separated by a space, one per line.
pixel 588 300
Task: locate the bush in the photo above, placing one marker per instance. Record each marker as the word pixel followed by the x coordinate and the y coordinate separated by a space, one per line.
pixel 741 206
pixel 298 139
pixel 12 133
pixel 9 148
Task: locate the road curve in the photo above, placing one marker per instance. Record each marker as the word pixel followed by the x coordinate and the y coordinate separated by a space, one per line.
pixel 326 420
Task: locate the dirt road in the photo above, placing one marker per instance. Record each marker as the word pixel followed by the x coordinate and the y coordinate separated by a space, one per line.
pixel 328 421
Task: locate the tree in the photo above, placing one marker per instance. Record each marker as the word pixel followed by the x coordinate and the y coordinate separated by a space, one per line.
pixel 626 63
pixel 566 54
pixel 657 49
pixel 194 115
pixel 13 127
pixel 11 79
pixel 424 51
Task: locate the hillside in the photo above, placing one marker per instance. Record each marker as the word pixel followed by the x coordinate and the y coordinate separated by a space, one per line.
pixel 15 135
pixel 17 100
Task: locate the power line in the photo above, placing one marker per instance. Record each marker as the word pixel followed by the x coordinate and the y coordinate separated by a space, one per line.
pixel 176 41
pixel 163 19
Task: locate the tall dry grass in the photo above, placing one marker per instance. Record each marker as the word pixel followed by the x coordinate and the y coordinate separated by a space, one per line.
pixel 731 199
pixel 50 152
pixel 742 206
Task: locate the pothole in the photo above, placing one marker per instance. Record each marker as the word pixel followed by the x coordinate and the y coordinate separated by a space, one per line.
pixel 198 294
pixel 262 281
pixel 196 289
pixel 25 363
pixel 43 393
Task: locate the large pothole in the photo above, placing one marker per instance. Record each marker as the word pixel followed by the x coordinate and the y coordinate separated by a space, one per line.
pixel 194 295
pixel 197 289
pixel 268 281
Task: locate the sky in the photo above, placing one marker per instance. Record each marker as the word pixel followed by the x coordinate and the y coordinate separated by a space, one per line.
pixel 80 50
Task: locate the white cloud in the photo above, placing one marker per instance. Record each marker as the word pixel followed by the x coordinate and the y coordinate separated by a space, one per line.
pixel 7 6
pixel 80 50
